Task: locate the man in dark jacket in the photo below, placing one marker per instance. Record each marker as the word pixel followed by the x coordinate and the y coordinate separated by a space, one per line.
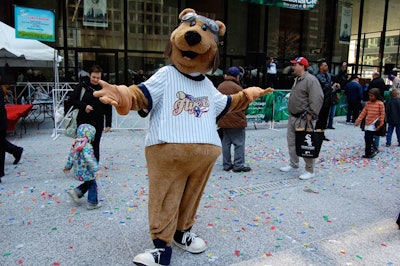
pixel 377 82
pixel 328 88
pixel 354 93
pixel 233 126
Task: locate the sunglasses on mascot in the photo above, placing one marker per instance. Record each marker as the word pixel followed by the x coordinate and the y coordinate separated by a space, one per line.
pixel 211 24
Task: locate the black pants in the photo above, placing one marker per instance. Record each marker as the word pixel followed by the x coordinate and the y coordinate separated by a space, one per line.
pixel 272 80
pixel 353 110
pixel 369 142
pixel 6 146
pixel 323 117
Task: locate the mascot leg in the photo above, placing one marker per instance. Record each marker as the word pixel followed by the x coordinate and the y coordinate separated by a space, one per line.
pixel 178 174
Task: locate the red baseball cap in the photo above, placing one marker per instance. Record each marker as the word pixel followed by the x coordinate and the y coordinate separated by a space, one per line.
pixel 300 60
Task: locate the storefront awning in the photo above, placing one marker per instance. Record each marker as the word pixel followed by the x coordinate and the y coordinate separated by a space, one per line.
pixel 293 4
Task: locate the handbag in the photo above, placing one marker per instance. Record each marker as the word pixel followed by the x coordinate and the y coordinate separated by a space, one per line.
pixel 70 119
pixel 308 141
pixel 382 131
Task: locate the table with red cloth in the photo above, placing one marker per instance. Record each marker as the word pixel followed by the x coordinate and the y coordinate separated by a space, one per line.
pixel 15 112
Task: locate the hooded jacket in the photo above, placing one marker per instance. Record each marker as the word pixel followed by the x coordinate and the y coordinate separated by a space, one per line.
pixel 81 157
pixel 232 120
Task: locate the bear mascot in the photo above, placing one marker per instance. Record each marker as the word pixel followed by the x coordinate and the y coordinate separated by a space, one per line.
pixel 182 143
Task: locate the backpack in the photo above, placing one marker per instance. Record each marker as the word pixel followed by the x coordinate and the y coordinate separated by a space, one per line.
pixel 70 119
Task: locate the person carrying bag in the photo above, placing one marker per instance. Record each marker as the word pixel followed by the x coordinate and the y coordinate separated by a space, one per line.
pixel 91 110
pixel 304 104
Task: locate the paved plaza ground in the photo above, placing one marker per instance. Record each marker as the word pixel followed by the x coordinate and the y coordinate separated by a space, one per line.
pixel 343 216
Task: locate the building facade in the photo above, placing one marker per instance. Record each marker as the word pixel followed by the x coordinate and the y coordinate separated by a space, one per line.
pixel 124 36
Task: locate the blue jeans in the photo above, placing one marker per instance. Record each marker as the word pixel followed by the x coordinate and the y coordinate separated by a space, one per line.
pixel 389 134
pixel 91 188
pixel 332 113
pixel 376 141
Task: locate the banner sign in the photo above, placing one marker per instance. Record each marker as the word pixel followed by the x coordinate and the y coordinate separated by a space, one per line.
pixel 274 107
pixel 293 4
pixel 95 13
pixel 345 25
pixel 33 23
pixel 271 107
pixel 256 111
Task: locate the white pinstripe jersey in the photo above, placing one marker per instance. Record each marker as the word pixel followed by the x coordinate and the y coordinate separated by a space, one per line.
pixel 182 109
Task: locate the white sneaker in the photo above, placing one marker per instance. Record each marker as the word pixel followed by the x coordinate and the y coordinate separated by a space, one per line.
pixel 191 243
pixel 306 175
pixel 288 169
pixel 74 196
pixel 153 257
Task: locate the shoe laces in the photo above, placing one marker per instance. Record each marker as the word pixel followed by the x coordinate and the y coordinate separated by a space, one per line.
pixel 156 253
pixel 188 238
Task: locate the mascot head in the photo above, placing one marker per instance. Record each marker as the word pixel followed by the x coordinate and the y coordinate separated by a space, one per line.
pixel 193 45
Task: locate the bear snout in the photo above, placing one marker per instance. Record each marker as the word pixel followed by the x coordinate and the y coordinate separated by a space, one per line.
pixel 192 38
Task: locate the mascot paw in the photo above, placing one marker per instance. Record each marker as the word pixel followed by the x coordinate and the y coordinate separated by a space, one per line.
pixel 268 90
pixel 118 96
pixel 253 93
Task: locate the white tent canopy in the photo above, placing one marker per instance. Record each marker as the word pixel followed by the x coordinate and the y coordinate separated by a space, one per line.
pixel 24 52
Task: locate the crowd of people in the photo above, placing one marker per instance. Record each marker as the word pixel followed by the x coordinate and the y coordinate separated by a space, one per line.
pixel 312 101
pixel 364 102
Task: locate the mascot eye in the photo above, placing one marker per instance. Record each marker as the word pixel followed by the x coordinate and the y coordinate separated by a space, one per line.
pixel 204 27
pixel 193 23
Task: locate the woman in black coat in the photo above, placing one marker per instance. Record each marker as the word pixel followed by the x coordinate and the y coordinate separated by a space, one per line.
pixel 5 145
pixel 91 110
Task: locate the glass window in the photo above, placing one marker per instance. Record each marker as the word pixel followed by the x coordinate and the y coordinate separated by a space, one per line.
pixel 132 29
pixel 117 15
pixel 149 7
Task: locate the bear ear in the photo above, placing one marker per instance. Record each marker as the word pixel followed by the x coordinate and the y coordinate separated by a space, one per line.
pixel 222 28
pixel 185 11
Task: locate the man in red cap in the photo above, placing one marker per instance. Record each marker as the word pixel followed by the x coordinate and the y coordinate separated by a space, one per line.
pixel 305 102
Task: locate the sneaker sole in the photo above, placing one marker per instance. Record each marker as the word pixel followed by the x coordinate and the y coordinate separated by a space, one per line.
pixel 139 263
pixel 142 264
pixel 187 249
pixel 306 178
pixel 89 207
pixel 290 170
pixel 145 260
